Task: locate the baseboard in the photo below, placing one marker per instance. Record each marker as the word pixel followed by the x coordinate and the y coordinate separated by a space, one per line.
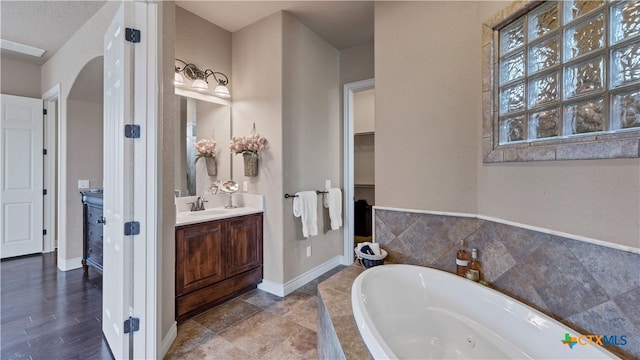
pixel 69 264
pixel 287 288
pixel 168 340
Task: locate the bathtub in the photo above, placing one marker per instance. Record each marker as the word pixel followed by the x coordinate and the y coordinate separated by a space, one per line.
pixel 414 312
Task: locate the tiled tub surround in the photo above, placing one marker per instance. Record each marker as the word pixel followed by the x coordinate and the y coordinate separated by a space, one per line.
pixel 591 288
pixel 338 334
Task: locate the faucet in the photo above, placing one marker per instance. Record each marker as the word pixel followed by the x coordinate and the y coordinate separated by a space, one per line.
pixel 198 205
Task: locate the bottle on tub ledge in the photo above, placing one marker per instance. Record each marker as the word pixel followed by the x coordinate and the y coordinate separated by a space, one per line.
pixel 462 260
pixel 475 270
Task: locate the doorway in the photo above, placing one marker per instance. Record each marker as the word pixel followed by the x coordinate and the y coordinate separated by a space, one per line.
pixel 359 100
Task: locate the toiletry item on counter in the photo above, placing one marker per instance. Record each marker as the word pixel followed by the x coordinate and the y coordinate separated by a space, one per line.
pixel 474 273
pixel 462 260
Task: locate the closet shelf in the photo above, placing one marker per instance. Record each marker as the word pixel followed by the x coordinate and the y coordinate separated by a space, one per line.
pixel 364 133
pixel 370 186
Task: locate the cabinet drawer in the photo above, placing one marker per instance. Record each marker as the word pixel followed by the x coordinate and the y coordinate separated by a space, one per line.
pixel 94 213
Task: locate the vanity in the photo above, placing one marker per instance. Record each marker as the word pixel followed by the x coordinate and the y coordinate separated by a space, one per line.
pixel 92 222
pixel 218 251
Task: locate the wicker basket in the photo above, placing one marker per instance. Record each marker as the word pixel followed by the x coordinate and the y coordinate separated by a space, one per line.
pixel 369 261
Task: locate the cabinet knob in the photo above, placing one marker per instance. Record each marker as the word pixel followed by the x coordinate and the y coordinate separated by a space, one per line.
pixel 101 220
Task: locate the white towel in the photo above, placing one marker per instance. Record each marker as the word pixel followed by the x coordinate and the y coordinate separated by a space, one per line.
pixel 305 205
pixel 333 202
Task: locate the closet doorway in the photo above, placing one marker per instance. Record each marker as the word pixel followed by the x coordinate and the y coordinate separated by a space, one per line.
pixel 359 163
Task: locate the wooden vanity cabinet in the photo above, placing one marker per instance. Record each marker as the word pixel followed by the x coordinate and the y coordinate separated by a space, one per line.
pixel 216 261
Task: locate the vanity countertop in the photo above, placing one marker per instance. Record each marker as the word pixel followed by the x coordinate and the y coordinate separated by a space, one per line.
pixel 215 207
pixel 194 217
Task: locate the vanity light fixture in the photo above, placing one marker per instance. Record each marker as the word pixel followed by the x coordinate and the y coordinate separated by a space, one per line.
pixel 199 79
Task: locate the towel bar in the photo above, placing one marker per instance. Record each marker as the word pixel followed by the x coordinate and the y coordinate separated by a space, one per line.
pixel 286 196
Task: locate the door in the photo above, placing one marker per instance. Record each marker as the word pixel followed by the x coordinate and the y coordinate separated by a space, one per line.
pixel 21 196
pixel 117 183
pixel 129 252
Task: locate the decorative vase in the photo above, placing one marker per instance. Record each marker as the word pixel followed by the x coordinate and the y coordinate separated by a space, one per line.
pixel 250 164
pixel 212 167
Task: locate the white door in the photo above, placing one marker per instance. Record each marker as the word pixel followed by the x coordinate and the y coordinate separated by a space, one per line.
pixel 21 198
pixel 129 277
pixel 117 254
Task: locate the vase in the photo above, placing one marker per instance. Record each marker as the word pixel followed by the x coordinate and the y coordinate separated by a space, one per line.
pixel 212 167
pixel 250 164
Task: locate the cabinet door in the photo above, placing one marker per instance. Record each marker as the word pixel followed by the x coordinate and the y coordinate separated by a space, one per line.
pixel 244 244
pixel 199 256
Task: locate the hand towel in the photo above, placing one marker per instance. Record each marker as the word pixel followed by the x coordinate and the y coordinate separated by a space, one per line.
pixel 305 206
pixel 333 202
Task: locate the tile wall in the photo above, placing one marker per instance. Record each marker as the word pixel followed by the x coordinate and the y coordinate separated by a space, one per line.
pixel 593 289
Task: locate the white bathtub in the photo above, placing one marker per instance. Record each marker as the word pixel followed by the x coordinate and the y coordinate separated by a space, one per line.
pixel 414 312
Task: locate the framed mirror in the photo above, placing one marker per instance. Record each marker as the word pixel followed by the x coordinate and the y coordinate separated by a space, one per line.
pixel 198 117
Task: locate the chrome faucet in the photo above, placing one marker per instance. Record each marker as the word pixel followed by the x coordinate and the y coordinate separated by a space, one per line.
pixel 198 205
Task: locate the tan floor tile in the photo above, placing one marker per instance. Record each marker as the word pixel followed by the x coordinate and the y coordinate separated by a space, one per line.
pixel 305 313
pixel 216 348
pixel 265 332
pixel 190 335
pixel 225 315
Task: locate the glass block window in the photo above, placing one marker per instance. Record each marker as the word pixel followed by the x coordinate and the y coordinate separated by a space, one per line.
pixel 568 69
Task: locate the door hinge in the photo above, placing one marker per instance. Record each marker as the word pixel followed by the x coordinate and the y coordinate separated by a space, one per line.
pixel 44 191
pixel 44 111
pixel 44 231
pixel 131 324
pixel 44 151
pixel 132 35
pixel 132 131
pixel 131 228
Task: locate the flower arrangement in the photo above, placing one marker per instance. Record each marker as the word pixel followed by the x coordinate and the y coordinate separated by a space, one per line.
pixel 252 144
pixel 206 148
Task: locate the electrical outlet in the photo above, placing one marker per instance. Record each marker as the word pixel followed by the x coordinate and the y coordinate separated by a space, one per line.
pixel 309 251
pixel 83 184
pixel 245 186
pixel 327 184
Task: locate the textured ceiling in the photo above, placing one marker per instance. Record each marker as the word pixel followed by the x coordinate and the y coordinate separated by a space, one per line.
pixel 49 24
pixel 43 24
pixel 341 23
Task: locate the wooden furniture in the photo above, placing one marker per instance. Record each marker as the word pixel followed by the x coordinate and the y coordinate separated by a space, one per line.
pixel 92 230
pixel 215 261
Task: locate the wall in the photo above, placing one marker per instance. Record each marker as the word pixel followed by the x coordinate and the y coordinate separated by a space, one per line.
pixel 167 211
pixel 63 68
pixel 426 117
pixel 312 141
pixel 19 78
pixel 84 120
pixel 598 199
pixel 356 63
pixel 257 98
pixel 428 95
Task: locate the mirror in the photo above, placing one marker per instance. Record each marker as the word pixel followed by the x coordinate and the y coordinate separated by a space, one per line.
pixel 196 119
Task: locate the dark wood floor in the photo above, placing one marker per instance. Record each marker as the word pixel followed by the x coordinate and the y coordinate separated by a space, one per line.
pixel 50 314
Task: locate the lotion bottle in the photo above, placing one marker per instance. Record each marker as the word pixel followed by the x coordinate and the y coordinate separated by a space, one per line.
pixel 475 270
pixel 462 260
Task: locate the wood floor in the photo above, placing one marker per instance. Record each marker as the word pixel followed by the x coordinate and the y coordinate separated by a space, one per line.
pixel 50 314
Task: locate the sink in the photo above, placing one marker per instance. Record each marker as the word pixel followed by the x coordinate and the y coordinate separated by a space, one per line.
pixel 206 212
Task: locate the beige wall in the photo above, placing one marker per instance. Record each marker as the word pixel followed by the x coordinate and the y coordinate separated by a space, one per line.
pixel 428 121
pixel 166 141
pixel 312 141
pixel 427 58
pixel 63 68
pixel 356 63
pixel 84 120
pixel 19 78
pixel 257 98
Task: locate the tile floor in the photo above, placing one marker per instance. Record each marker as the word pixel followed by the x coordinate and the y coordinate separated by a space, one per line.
pixel 256 325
